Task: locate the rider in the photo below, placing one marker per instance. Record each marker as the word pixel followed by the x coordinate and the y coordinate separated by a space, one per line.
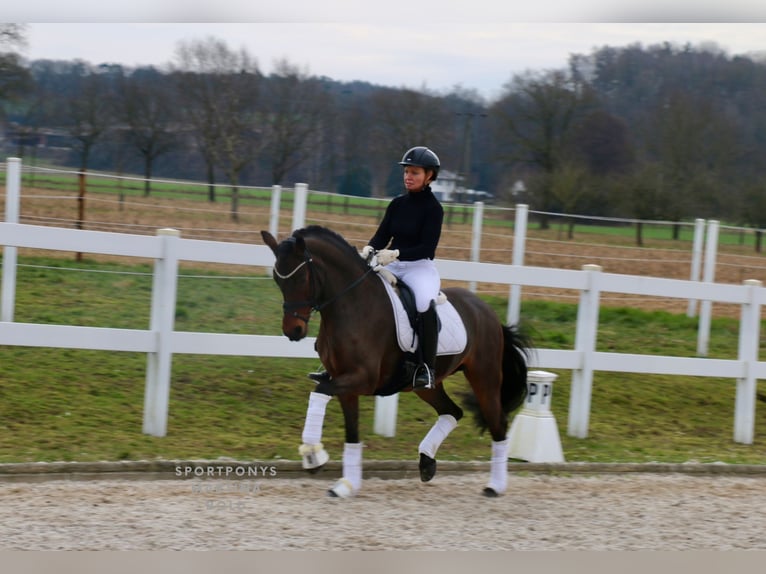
pixel 406 242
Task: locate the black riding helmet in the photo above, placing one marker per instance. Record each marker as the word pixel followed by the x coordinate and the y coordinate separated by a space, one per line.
pixel 421 156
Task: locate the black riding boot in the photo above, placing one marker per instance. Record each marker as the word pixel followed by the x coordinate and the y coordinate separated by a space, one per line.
pixel 428 333
pixel 320 376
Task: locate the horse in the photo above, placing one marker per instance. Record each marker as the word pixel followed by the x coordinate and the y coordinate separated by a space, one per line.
pixel 317 270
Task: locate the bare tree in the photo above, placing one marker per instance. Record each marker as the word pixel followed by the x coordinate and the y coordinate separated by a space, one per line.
pixel 534 121
pixel 297 104
pixel 402 119
pixel 220 89
pixel 695 146
pixel 146 106
pixel 89 112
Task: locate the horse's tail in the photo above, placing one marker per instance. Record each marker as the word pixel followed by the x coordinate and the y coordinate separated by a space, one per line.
pixel 513 390
pixel 516 346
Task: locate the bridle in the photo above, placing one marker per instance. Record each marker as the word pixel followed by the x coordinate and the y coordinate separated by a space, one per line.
pixel 312 302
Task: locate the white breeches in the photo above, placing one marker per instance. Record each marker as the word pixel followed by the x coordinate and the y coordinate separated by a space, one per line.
pixel 422 277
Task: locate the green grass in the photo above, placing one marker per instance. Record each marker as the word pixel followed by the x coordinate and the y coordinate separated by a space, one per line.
pixel 58 404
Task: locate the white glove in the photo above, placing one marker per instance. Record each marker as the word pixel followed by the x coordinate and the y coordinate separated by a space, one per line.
pixel 386 256
pixel 367 252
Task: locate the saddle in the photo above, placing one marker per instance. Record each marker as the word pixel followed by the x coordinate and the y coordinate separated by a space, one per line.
pixel 452 334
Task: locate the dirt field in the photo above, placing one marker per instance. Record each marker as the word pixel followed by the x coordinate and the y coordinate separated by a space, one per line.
pixel 539 512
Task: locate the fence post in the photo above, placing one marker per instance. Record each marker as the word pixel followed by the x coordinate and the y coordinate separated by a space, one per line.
pixel 299 205
pixel 385 415
pixel 749 338
pixel 519 242
pixel 708 276
pixel 585 344
pixel 478 218
pixel 276 198
pixel 10 252
pixel 699 235
pixel 164 282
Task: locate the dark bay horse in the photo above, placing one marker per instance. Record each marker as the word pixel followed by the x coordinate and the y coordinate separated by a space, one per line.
pixel 317 270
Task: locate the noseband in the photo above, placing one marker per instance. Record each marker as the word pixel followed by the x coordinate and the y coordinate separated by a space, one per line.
pixel 291 307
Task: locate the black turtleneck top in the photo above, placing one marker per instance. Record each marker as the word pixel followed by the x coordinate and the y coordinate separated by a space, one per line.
pixel 413 225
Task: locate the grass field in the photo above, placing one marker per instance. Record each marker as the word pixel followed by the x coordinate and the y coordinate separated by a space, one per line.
pixel 60 404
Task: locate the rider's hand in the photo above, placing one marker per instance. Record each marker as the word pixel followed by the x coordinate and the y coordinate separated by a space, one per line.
pixel 367 252
pixel 386 256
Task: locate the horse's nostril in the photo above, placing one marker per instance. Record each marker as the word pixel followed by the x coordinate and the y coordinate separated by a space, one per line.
pixel 296 334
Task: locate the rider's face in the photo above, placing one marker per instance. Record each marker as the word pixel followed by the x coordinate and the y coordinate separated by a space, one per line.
pixel 416 178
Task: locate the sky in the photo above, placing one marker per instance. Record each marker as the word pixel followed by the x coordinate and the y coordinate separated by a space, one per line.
pixel 439 45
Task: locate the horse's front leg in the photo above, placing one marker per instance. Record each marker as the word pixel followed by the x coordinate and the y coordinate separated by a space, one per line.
pixel 312 451
pixel 351 481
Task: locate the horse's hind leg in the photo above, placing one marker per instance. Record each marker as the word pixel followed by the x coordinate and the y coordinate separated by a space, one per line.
pixel 449 414
pixel 489 403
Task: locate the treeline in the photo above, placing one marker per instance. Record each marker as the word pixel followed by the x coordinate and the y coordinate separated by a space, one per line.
pixel 658 132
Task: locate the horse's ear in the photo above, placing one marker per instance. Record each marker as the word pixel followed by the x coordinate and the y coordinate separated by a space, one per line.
pixel 269 240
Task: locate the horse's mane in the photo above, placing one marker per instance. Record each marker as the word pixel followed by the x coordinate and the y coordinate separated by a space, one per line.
pixel 327 235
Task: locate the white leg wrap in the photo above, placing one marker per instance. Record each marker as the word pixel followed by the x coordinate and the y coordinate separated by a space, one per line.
pixel 352 471
pixel 444 425
pixel 312 428
pixel 498 474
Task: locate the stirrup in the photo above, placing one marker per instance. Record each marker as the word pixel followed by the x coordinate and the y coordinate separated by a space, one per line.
pixel 421 382
pixel 320 377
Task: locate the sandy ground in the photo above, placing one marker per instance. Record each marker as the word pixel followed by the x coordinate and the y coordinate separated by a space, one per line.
pixel 539 512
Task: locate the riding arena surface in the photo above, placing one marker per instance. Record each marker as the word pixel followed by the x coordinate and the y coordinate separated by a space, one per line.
pixel 559 511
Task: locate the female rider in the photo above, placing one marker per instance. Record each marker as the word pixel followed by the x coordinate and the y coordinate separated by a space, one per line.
pixel 405 242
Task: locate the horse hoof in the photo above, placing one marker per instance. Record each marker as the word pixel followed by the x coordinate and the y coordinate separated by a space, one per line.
pixel 314 457
pixel 427 467
pixel 490 492
pixel 342 489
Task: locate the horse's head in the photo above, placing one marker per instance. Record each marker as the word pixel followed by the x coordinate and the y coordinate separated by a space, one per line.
pixel 293 274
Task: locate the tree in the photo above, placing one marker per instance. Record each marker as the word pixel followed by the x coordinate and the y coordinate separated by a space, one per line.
pixel 146 106
pixel 568 186
pixel 534 123
pixel 219 88
pixel 15 79
pixel 90 111
pixel 695 147
pixel 297 105
pixel 601 140
pixel 402 119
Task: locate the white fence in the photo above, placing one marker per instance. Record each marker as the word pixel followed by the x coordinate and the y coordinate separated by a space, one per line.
pixel 161 341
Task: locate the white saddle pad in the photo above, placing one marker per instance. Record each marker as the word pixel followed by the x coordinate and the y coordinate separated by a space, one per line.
pixel 452 337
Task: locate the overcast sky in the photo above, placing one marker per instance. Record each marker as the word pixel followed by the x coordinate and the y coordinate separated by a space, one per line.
pixel 438 44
